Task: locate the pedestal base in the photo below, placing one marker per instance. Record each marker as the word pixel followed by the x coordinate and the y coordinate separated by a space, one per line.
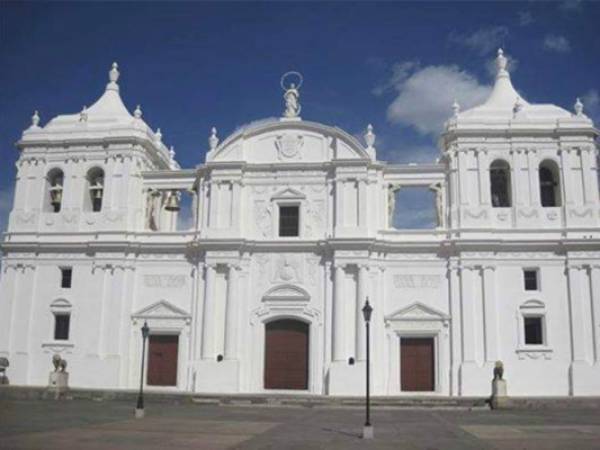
pixel 58 383
pixel 499 394
pixel 367 432
pixel 140 413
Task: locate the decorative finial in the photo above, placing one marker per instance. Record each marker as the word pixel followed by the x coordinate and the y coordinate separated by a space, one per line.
pixel 35 119
pixel 83 115
pixel 501 61
pixel 213 140
pixel 158 135
pixel 113 76
pixel 578 107
pixel 138 112
pixel 455 108
pixel 292 94
pixel 172 152
pixel 370 136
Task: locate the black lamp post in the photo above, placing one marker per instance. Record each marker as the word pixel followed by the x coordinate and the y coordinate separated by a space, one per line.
pixel 368 428
pixel 139 410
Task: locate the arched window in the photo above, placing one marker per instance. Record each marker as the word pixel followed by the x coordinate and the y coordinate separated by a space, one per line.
pixel 500 184
pixel 95 183
pixel 55 180
pixel 549 185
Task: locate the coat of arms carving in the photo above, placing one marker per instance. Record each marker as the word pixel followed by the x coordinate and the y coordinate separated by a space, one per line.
pixel 288 146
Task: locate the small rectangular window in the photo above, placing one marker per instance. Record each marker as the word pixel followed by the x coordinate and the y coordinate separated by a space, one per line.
pixel 66 275
pixel 289 221
pixel 530 277
pixel 61 327
pixel 534 333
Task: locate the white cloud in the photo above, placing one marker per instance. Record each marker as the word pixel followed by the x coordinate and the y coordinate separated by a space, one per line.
pixel 524 18
pixel 405 155
pixel 6 201
pixel 557 43
pixel 425 95
pixel 485 40
pixel 591 105
pixel 591 98
pixel 571 5
pixel 400 72
pixel 255 123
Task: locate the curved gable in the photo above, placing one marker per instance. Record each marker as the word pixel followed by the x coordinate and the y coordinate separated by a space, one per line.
pixel 288 142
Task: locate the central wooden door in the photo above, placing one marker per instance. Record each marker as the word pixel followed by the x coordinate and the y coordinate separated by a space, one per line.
pixel 286 355
pixel 162 360
pixel 416 364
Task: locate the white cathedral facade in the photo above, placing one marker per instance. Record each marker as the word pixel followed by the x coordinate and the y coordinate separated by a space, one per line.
pixel 292 232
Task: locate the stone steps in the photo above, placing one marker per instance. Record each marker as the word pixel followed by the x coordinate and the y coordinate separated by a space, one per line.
pixel 300 400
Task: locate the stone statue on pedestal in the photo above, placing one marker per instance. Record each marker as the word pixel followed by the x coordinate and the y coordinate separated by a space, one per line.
pixel 499 389
pixel 3 365
pixel 58 381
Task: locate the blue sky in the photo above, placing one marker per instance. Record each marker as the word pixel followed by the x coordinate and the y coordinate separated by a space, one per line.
pixel 197 65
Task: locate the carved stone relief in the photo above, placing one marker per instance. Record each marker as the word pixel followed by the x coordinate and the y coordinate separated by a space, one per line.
pixel 288 268
pixel 263 217
pixel 164 281
pixel 289 146
pixel 417 281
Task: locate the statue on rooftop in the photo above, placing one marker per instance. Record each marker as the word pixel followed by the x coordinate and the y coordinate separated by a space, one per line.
pixel 291 95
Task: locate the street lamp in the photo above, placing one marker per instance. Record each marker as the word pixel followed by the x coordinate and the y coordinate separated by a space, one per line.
pixel 139 409
pixel 368 428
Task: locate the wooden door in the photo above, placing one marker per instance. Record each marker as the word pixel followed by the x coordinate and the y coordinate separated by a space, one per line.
pixel 286 355
pixel 162 360
pixel 416 364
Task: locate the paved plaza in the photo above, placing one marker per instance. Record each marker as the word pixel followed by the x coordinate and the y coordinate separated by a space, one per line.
pixel 86 424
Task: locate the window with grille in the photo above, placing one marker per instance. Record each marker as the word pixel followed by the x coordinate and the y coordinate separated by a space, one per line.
pixel 530 277
pixel 534 330
pixel 289 221
pixel 66 277
pixel 61 327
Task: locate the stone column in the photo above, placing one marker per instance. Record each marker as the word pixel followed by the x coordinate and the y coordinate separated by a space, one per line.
pixel 236 205
pixel 455 324
pixel 194 194
pixel 483 174
pixel 208 319
pixel 565 157
pixel 231 324
pixel 594 273
pixel 461 157
pixel 338 315
pixel 534 178
pixel 363 205
pixel 360 323
pixel 467 314
pixel 515 174
pixel 590 192
pixel 576 314
pixel 492 352
pixel 339 203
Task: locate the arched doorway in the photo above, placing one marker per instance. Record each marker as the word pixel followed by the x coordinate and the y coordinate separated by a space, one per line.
pixel 286 354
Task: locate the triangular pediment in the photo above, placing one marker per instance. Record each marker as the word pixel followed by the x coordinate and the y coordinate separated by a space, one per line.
pixel 161 309
pixel 286 292
pixel 417 311
pixel 288 194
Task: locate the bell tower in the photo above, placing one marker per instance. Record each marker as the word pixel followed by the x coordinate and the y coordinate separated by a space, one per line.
pixel 81 172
